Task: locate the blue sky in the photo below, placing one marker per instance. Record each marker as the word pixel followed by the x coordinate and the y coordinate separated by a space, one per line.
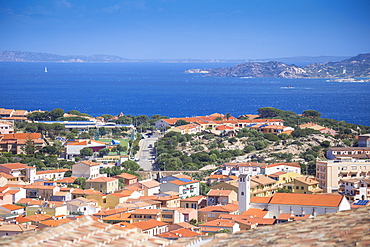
pixel 199 29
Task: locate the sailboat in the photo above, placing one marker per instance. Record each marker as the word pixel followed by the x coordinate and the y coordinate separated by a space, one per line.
pixel 46 70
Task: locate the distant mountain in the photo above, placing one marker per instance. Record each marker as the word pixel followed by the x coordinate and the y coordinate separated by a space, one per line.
pixel 358 66
pixel 302 60
pixel 24 56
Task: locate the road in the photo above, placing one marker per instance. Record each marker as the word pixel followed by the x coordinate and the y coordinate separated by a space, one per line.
pixel 146 153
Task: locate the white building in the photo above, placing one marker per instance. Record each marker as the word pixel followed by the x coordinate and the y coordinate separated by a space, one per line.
pixel 186 187
pixel 244 194
pixel 86 169
pixel 284 167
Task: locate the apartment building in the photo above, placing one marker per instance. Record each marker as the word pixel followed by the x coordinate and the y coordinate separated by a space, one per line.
pixel 330 172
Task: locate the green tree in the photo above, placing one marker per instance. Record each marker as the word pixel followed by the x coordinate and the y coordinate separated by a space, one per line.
pixel 228 116
pixel 181 122
pixel 311 113
pixel 81 181
pixel 203 189
pixel 268 112
pixel 130 165
pixel 56 113
pixel 29 147
pixel 86 152
pixel 104 151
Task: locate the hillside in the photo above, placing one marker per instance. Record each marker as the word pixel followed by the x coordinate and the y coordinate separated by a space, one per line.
pixel 358 66
pixel 23 56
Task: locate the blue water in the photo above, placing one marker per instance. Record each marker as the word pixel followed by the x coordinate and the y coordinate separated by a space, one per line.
pixel 164 88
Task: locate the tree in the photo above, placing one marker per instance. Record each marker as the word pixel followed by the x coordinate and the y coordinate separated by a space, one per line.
pixel 311 113
pixel 30 147
pixel 130 165
pixel 84 135
pixel 227 116
pixel 81 181
pixel 203 189
pixel 181 122
pixel 56 113
pixel 86 152
pixel 325 144
pixel 268 112
pixel 107 117
pixel 104 151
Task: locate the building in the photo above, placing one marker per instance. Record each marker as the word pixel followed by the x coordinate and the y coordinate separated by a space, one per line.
pixel 250 168
pixel 16 143
pixel 244 192
pixel 355 189
pixel 6 127
pixel 353 152
pixel 217 225
pixel 152 227
pixel 128 178
pixel 221 197
pixel 329 173
pixel 86 169
pixel 196 202
pixel 103 184
pixel 187 129
pixel 186 187
pixel 74 147
pixel 306 185
pixel 285 167
pixel 19 170
pixel 364 140
pixel 55 174
pixel 214 212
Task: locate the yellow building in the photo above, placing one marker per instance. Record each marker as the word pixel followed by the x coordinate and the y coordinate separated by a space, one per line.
pixel 306 185
pixel 103 184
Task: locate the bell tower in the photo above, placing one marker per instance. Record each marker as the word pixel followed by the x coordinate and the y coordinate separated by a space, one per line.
pixel 244 192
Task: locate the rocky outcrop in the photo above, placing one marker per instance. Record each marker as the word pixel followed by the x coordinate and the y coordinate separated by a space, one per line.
pixel 358 66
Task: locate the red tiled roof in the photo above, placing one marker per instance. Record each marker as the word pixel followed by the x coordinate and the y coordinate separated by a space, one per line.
pixel 225 208
pixel 324 200
pixel 179 182
pixel 193 199
pixel 21 136
pixel 255 212
pixel 219 192
pixel 16 166
pixel 89 163
pixel 145 225
pixel 11 207
pixel 146 211
pixel 258 199
pixel 126 176
pixel 52 171
pixel 101 180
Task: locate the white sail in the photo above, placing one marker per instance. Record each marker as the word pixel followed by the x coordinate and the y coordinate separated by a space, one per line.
pixel 46 70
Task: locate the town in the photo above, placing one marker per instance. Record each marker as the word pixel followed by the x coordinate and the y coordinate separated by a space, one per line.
pixel 175 178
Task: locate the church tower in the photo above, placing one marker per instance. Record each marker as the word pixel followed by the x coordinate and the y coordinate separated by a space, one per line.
pixel 244 192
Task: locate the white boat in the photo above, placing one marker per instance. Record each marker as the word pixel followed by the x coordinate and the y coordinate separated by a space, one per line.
pixel 46 70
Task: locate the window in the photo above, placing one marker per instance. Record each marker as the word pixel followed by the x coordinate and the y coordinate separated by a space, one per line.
pixel 147 217
pixel 354 167
pixel 187 205
pixel 297 187
pixel 213 215
pixel 302 188
pixel 167 216
pixel 224 200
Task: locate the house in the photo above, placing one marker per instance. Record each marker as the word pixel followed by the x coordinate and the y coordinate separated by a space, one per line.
pixel 20 171
pixel 217 225
pixel 250 168
pixel 187 129
pixel 277 167
pixel 364 140
pixel 73 148
pixel 262 185
pixel 186 187
pixel 306 185
pixel 221 197
pixel 317 127
pixel 48 209
pixel 149 187
pixel 14 229
pixel 179 233
pixel 37 190
pixel 16 143
pixel 166 200
pixel 214 212
pixel 12 209
pixel 86 169
pixel 353 152
pixel 329 173
pixel 355 189
pixel 145 215
pixel 151 227
pixel 196 202
pixel 186 214
pixel 118 218
pixel 6 127
pixel 62 196
pixel 103 184
pixel 127 178
pixel 83 206
pixel 114 199
pixel 51 174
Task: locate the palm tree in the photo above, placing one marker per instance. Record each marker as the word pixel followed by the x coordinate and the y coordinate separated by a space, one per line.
pixel 228 115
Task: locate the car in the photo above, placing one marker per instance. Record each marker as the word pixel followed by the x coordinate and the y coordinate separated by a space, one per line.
pixel 150 146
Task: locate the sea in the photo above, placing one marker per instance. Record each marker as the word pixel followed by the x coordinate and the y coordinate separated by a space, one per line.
pixel 151 88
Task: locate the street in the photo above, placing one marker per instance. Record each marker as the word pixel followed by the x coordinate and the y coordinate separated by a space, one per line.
pixel 146 153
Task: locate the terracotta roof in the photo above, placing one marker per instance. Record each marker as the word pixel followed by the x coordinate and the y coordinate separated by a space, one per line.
pixel 101 180
pixel 38 217
pixel 105 212
pixel 179 182
pixel 84 232
pixel 118 217
pixel 193 199
pixel 225 208
pixel 146 225
pixel 126 176
pixel 11 207
pixel 255 212
pixel 181 176
pixel 150 183
pixel 284 164
pixel 146 211
pixel 85 192
pixel 21 136
pixel 16 166
pixel 324 200
pixel 219 192
pixel 263 179
pixel 260 199
pixel 6 175
pixel 54 223
pixel 67 180
pixel 89 163
pixel 218 223
pixel 52 171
